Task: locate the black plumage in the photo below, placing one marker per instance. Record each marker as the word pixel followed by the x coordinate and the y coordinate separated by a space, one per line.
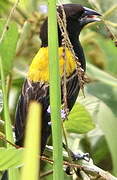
pixel 76 17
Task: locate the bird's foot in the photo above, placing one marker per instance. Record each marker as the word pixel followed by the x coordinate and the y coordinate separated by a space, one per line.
pixel 77 156
pixel 80 156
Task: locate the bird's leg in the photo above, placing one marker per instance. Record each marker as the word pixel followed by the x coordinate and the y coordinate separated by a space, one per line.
pixel 77 156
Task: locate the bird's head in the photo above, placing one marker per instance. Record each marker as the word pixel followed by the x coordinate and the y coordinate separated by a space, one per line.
pixel 77 17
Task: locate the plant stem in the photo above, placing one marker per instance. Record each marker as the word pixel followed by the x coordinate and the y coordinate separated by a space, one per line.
pixel 8 126
pixel 55 92
pixel 12 173
pixel 31 168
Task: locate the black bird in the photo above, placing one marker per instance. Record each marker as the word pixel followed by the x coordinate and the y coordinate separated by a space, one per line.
pixel 36 86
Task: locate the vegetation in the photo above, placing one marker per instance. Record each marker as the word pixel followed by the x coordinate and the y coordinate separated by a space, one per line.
pixel 91 126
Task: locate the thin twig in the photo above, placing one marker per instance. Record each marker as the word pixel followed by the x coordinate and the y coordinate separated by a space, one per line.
pixel 64 44
pixel 7 141
pixel 112 35
pixel 111 23
pixel 88 169
pixel 79 69
pixel 8 21
pixel 21 12
pixel 8 84
pixel 110 32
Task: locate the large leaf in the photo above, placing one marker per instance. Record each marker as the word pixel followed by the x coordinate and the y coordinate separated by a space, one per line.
pixel 98 74
pixel 79 120
pixel 110 52
pixel 106 93
pixel 10 157
pixel 8 45
pixel 108 123
pixel 100 152
pixel 4 5
pixel 100 51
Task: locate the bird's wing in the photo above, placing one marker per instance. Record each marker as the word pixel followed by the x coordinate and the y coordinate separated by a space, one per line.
pixel 73 88
pixel 39 92
pixel 30 92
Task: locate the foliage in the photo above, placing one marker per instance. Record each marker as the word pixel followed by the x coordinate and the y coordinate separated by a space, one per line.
pixel 100 102
pixel 79 120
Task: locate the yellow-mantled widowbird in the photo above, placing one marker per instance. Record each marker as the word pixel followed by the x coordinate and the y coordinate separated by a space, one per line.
pixel 36 86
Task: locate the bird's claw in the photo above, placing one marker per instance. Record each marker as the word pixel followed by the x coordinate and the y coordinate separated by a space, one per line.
pixel 78 156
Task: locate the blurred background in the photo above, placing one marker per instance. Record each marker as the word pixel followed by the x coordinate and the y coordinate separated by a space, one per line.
pixel 95 125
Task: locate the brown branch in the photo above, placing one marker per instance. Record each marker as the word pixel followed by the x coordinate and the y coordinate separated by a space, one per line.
pixel 87 170
pixel 95 171
pixel 5 140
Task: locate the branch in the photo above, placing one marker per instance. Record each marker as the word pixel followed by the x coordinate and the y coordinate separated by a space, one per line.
pixel 8 21
pixel 87 170
pixel 97 172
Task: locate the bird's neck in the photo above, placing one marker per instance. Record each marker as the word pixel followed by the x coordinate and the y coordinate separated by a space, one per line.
pixel 74 38
pixel 79 53
pixel 73 29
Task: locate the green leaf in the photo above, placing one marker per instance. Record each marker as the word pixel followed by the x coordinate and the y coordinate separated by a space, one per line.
pixel 79 120
pixel 104 92
pixel 8 45
pixel 108 123
pixel 110 51
pixel 101 75
pixel 10 157
pixel 100 151
pixel 18 82
pixel 23 35
pixel 4 6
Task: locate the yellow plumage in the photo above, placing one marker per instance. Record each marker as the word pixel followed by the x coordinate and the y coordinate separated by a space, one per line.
pixel 38 70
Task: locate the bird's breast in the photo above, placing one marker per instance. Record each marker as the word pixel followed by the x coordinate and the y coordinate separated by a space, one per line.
pixel 39 68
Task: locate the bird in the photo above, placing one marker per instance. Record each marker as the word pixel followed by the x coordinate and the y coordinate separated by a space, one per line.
pixel 36 85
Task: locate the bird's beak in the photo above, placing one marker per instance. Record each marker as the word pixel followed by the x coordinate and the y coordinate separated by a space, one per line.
pixel 89 16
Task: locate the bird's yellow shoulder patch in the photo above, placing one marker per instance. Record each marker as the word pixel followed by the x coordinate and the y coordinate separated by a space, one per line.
pixel 38 70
